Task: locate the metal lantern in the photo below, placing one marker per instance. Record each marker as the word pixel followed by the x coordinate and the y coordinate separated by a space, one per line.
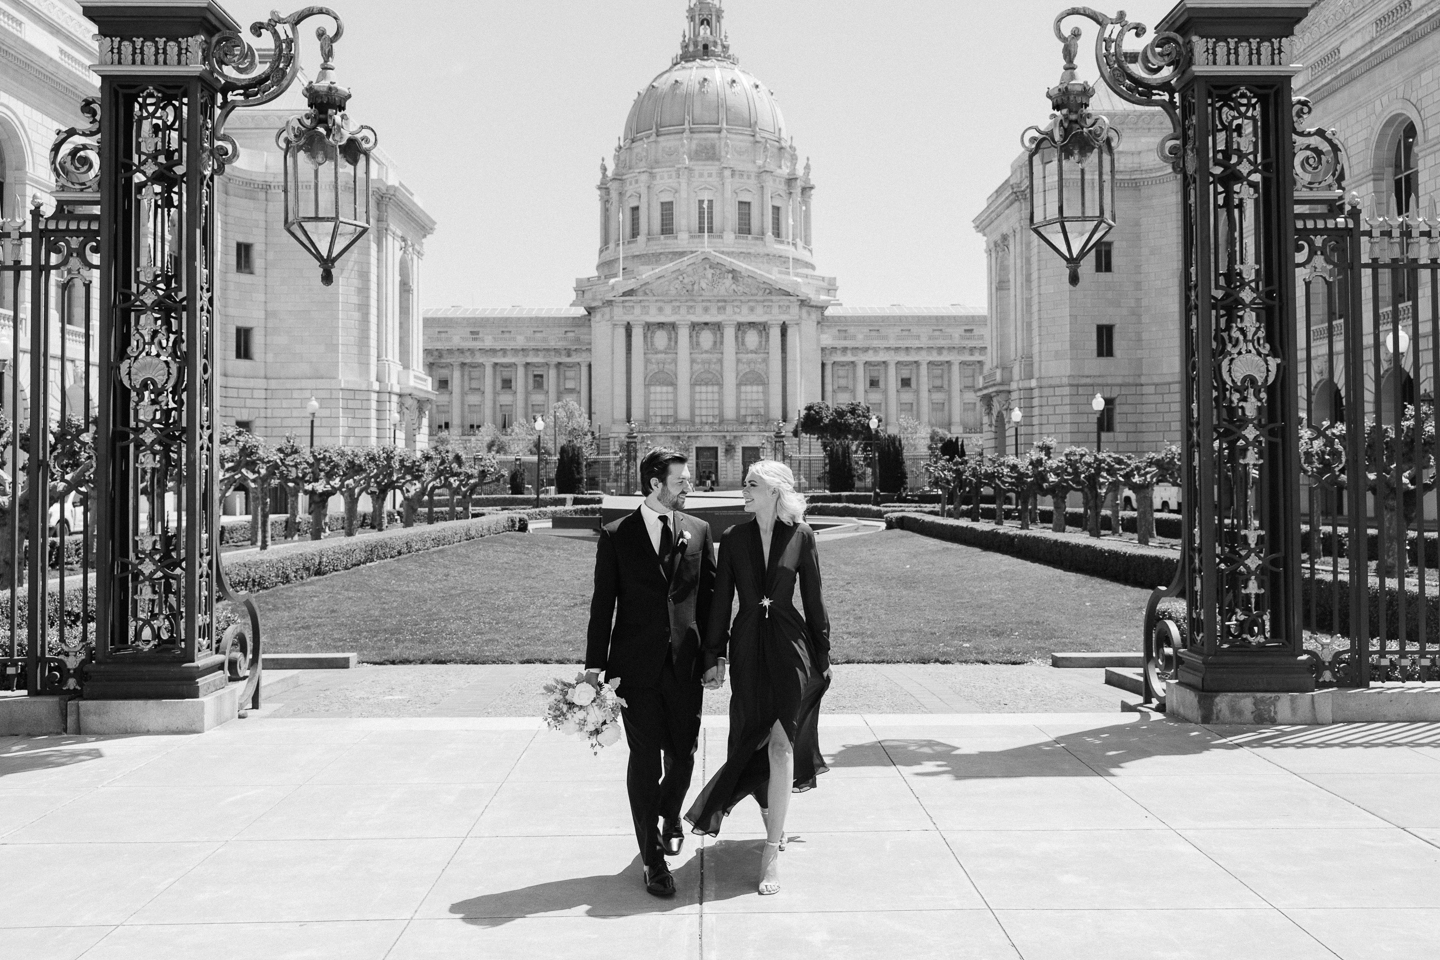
pixel 327 171
pixel 1072 170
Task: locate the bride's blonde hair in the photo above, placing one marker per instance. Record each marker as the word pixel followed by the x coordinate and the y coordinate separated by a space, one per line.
pixel 790 505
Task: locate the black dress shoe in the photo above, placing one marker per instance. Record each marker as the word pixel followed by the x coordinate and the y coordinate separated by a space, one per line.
pixel 672 837
pixel 659 882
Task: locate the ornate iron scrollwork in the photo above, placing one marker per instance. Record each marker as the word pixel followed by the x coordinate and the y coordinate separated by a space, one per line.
pixel 1319 155
pixel 75 154
pixel 234 59
pixel 1145 77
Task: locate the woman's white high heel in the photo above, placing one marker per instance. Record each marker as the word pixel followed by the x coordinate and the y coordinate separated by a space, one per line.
pixel 770 869
pixel 765 818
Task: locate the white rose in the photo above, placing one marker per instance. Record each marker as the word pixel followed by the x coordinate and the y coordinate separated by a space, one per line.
pixel 582 695
pixel 570 726
pixel 609 736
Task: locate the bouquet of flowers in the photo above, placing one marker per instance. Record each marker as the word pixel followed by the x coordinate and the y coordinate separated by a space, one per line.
pixel 585 711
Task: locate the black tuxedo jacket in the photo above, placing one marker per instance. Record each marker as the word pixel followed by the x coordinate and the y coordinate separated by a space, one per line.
pixel 636 613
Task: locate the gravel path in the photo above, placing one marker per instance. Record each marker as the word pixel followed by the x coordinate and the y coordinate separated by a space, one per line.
pixel 513 690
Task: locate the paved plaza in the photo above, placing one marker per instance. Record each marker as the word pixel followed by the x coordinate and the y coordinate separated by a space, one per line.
pixel 1063 835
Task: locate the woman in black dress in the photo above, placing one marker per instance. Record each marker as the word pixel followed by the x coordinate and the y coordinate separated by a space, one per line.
pixel 779 660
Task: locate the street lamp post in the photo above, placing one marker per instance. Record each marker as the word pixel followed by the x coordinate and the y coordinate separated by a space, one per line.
pixel 778 441
pixel 1097 403
pixel 539 452
pixel 313 407
pixel 632 446
pixel 1015 417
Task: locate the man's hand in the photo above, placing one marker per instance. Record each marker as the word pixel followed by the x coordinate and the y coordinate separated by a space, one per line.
pixel 592 677
pixel 714 678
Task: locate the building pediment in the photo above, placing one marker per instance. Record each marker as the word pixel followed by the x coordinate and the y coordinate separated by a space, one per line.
pixel 705 275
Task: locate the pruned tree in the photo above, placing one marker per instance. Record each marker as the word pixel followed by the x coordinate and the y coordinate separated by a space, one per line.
pixel 1144 474
pixel 325 470
pixel 291 469
pixel 383 479
pixel 891 475
pixel 353 478
pixel 838 428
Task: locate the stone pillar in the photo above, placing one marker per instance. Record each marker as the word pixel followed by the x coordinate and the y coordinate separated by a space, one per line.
pixel 645 206
pixel 619 390
pixel 586 401
pixel 892 397
pixel 765 202
pixel 637 371
pixel 552 382
pixel 682 371
pixel 828 387
pixel 956 424
pixel 685 215
pixel 729 373
pixel 922 392
pixel 724 221
pixel 490 393
pixel 457 399
pixel 776 372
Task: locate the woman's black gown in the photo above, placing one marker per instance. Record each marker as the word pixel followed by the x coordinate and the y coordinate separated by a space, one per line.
pixel 778 658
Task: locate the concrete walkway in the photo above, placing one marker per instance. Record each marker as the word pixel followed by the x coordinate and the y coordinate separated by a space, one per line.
pixel 1034 836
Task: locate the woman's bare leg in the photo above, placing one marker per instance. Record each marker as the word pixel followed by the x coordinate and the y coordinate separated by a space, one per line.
pixel 782 779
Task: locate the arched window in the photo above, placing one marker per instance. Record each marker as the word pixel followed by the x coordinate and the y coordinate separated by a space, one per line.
pixel 660 400
pixel 1404 175
pixel 705 401
pixel 752 397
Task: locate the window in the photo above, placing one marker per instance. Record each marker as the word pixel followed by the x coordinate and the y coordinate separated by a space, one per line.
pixel 507 416
pixel 752 401
pixel 1406 174
pixel 907 377
pixel 442 383
pixel 872 376
pixel 742 218
pixel 937 411
pixel 475 378
pixel 705 216
pixel 970 415
pixel 748 455
pixel 907 409
pixel 844 376
pixel 705 403
pixel 536 410
pixel 507 381
pixel 667 218
pixel 1105 340
pixel 660 398
pixel 1104 257
pixel 1107 416
pixel 247 425
pixel 537 381
pixel 937 377
pixel 244 258
pixel 572 377
pixel 634 223
pixel 775 221
pixel 243 340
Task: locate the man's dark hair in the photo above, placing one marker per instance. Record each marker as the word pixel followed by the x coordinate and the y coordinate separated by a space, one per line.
pixel 656 466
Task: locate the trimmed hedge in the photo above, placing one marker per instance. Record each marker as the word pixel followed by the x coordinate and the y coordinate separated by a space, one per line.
pixel 1120 561
pixel 920 496
pixel 267 571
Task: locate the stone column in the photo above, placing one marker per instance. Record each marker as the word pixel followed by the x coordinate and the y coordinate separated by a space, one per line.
pixel 585 401
pixel 684 216
pixel 922 392
pixel 776 373
pixel 637 371
pixel 765 202
pixel 552 382
pixel 682 371
pixel 828 387
pixel 457 399
pixel 724 222
pixel 729 373
pixel 956 424
pixel 619 392
pixel 892 397
pixel 645 206
pixel 490 393
pixel 601 344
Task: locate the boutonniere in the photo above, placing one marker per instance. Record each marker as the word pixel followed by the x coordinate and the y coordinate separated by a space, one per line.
pixel 684 541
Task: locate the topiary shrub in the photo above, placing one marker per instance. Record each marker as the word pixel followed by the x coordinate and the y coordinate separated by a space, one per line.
pixel 891 475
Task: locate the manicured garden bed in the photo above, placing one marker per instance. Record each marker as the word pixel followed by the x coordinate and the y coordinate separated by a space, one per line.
pixel 893 597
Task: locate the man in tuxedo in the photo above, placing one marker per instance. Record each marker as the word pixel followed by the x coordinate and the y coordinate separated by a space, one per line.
pixel 654 578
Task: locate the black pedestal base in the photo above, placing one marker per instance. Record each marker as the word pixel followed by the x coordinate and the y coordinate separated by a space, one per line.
pixel 155 681
pixel 1258 671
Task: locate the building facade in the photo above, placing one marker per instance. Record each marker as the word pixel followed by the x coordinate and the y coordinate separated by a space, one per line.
pixel 706 321
pixel 1371 69
pixel 281 337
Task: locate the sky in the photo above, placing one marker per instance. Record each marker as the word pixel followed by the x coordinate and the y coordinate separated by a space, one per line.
pixel 497 114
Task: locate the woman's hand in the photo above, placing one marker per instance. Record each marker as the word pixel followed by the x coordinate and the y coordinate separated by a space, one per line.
pixel 714 678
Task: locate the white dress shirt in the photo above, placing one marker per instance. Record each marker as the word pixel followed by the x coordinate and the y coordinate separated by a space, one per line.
pixel 652 525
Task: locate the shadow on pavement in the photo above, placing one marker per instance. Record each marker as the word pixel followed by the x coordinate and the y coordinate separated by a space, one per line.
pixel 27 755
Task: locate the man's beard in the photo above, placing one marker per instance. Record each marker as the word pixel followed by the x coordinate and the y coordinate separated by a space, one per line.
pixel 670 500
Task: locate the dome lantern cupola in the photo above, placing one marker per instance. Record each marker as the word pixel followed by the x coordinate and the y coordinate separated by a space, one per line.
pixel 705 37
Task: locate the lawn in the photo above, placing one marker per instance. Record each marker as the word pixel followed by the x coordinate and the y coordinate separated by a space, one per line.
pixel 518 598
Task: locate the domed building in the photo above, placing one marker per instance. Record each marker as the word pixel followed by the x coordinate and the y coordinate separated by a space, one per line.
pixel 706 321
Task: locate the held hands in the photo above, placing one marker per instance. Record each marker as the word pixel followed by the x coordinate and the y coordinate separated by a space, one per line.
pixel 714 678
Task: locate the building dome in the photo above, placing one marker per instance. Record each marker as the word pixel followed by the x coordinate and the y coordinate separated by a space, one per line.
pixel 705 92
